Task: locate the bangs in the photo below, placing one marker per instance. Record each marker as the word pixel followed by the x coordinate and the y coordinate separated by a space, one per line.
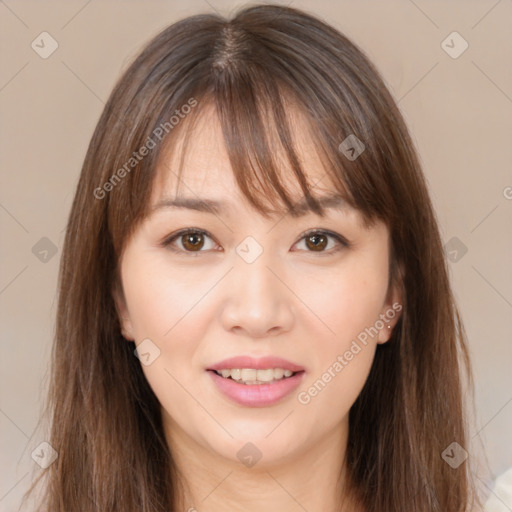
pixel 265 131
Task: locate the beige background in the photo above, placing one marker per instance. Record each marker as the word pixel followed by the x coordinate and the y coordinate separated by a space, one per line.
pixel 459 111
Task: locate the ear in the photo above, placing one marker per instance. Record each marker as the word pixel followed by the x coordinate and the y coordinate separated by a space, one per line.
pixel 393 306
pixel 122 312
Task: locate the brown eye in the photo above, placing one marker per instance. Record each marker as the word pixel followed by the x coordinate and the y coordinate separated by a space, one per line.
pixel 322 242
pixel 193 241
pixel 316 242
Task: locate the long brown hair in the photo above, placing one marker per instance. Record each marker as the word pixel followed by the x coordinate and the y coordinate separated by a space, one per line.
pixel 105 420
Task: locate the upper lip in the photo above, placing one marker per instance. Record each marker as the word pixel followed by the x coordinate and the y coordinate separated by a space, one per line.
pixel 260 363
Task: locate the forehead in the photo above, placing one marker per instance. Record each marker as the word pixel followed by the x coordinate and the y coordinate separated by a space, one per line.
pixel 199 151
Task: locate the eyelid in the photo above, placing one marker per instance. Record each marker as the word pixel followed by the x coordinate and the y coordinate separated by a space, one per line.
pixel 344 243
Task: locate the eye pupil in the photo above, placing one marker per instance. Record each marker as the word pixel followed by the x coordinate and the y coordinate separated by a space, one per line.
pixel 319 242
pixel 193 241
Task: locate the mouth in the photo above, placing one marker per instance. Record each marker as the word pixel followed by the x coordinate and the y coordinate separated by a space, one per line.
pixel 256 382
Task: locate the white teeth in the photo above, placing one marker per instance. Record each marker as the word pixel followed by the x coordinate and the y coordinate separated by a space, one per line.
pixel 278 373
pixel 248 374
pixel 253 376
pixel 263 375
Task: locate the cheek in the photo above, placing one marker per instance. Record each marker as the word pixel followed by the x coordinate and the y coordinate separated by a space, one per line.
pixel 343 359
pixel 171 306
pixel 349 299
pixel 349 303
pixel 162 308
pixel 159 299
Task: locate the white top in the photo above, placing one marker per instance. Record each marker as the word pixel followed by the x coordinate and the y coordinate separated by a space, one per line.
pixel 500 499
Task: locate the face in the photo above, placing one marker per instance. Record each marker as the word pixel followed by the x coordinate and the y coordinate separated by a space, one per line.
pixel 308 295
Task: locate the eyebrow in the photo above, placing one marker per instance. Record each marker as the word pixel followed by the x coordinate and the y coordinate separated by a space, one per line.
pixel 301 208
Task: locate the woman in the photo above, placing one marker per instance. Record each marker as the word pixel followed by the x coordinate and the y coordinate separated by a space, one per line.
pixel 254 307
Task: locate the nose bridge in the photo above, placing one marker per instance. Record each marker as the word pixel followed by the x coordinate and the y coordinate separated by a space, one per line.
pixel 256 301
pixel 256 277
pixel 253 279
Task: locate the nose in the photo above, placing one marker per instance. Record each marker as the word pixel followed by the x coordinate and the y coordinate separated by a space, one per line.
pixel 257 302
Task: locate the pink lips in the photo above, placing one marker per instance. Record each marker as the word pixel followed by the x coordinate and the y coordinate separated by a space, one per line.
pixel 256 395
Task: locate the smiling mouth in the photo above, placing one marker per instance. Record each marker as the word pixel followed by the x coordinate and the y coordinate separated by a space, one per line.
pixel 253 376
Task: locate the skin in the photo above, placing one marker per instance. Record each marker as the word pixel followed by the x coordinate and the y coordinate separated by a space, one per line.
pixel 292 302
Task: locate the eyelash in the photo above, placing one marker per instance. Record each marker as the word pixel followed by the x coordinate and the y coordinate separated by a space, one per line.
pixel 343 243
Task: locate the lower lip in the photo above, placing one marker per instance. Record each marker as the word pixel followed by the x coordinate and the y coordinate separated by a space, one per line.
pixel 257 395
